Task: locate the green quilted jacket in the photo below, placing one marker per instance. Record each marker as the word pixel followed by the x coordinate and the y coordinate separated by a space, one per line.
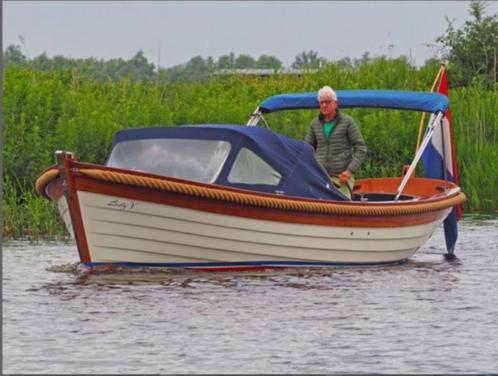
pixel 345 150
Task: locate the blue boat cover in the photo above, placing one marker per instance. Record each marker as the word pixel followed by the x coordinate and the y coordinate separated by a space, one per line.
pixel 394 99
pixel 301 174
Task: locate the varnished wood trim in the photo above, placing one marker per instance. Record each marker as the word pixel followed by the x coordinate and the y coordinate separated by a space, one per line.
pixel 215 206
pixel 74 209
pixel 415 187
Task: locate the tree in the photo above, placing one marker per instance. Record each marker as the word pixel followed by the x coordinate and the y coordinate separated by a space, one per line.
pixel 471 51
pixel 13 55
pixel 60 62
pixel 245 62
pixel 41 62
pixel 140 67
pixel 196 69
pixel 114 69
pixel 226 61
pixel 308 60
pixel 268 62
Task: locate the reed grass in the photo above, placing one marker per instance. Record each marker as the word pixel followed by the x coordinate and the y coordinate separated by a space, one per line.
pixel 48 111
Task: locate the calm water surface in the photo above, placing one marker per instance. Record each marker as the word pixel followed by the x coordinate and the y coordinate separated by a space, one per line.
pixel 424 316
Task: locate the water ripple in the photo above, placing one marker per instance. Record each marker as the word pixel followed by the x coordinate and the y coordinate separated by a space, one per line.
pixel 423 316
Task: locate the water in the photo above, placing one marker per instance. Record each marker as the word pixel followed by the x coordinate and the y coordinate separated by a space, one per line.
pixel 424 316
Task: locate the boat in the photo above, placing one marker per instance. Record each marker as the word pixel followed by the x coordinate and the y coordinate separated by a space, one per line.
pixel 220 197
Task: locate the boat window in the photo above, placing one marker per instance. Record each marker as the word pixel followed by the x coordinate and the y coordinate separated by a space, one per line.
pixel 249 168
pixel 199 160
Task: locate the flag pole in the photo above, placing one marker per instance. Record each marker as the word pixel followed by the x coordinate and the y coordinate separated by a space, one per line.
pixel 422 119
pixel 432 128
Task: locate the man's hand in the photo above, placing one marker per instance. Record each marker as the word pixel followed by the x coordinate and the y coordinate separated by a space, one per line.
pixel 344 176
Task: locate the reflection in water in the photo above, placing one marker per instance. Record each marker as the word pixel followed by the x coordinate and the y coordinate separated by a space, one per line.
pixel 120 275
pixel 297 278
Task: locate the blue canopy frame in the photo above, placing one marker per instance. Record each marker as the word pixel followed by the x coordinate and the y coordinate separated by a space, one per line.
pixel 393 99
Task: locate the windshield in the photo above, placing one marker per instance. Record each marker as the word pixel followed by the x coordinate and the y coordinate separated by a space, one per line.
pixel 199 160
pixel 249 168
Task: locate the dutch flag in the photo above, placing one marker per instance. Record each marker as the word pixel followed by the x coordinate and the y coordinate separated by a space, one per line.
pixel 440 155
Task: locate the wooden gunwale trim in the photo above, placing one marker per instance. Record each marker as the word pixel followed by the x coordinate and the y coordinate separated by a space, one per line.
pixel 87 184
pixel 256 205
pixel 347 208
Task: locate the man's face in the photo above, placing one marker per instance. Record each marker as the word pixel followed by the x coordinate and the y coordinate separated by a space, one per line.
pixel 328 106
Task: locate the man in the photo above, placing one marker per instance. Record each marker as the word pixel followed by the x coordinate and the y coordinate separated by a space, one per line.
pixel 337 140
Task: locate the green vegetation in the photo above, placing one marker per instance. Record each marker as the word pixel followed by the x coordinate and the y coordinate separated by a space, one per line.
pixel 138 67
pixel 47 111
pixel 475 127
pixel 472 50
pixel 78 105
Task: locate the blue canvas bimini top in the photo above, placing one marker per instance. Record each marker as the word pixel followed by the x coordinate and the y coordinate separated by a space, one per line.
pixel 393 99
pixel 290 166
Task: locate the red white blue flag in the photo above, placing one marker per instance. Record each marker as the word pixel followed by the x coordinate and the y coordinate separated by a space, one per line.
pixel 440 156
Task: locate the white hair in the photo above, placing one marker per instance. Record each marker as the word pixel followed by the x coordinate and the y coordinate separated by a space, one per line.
pixel 328 91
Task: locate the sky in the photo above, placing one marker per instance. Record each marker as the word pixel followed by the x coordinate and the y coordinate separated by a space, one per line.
pixel 172 32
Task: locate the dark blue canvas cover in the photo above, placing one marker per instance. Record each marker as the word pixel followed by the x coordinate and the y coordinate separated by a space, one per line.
pixel 301 174
pixel 394 99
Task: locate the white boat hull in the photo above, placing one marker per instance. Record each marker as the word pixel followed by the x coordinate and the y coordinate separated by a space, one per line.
pixel 121 230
